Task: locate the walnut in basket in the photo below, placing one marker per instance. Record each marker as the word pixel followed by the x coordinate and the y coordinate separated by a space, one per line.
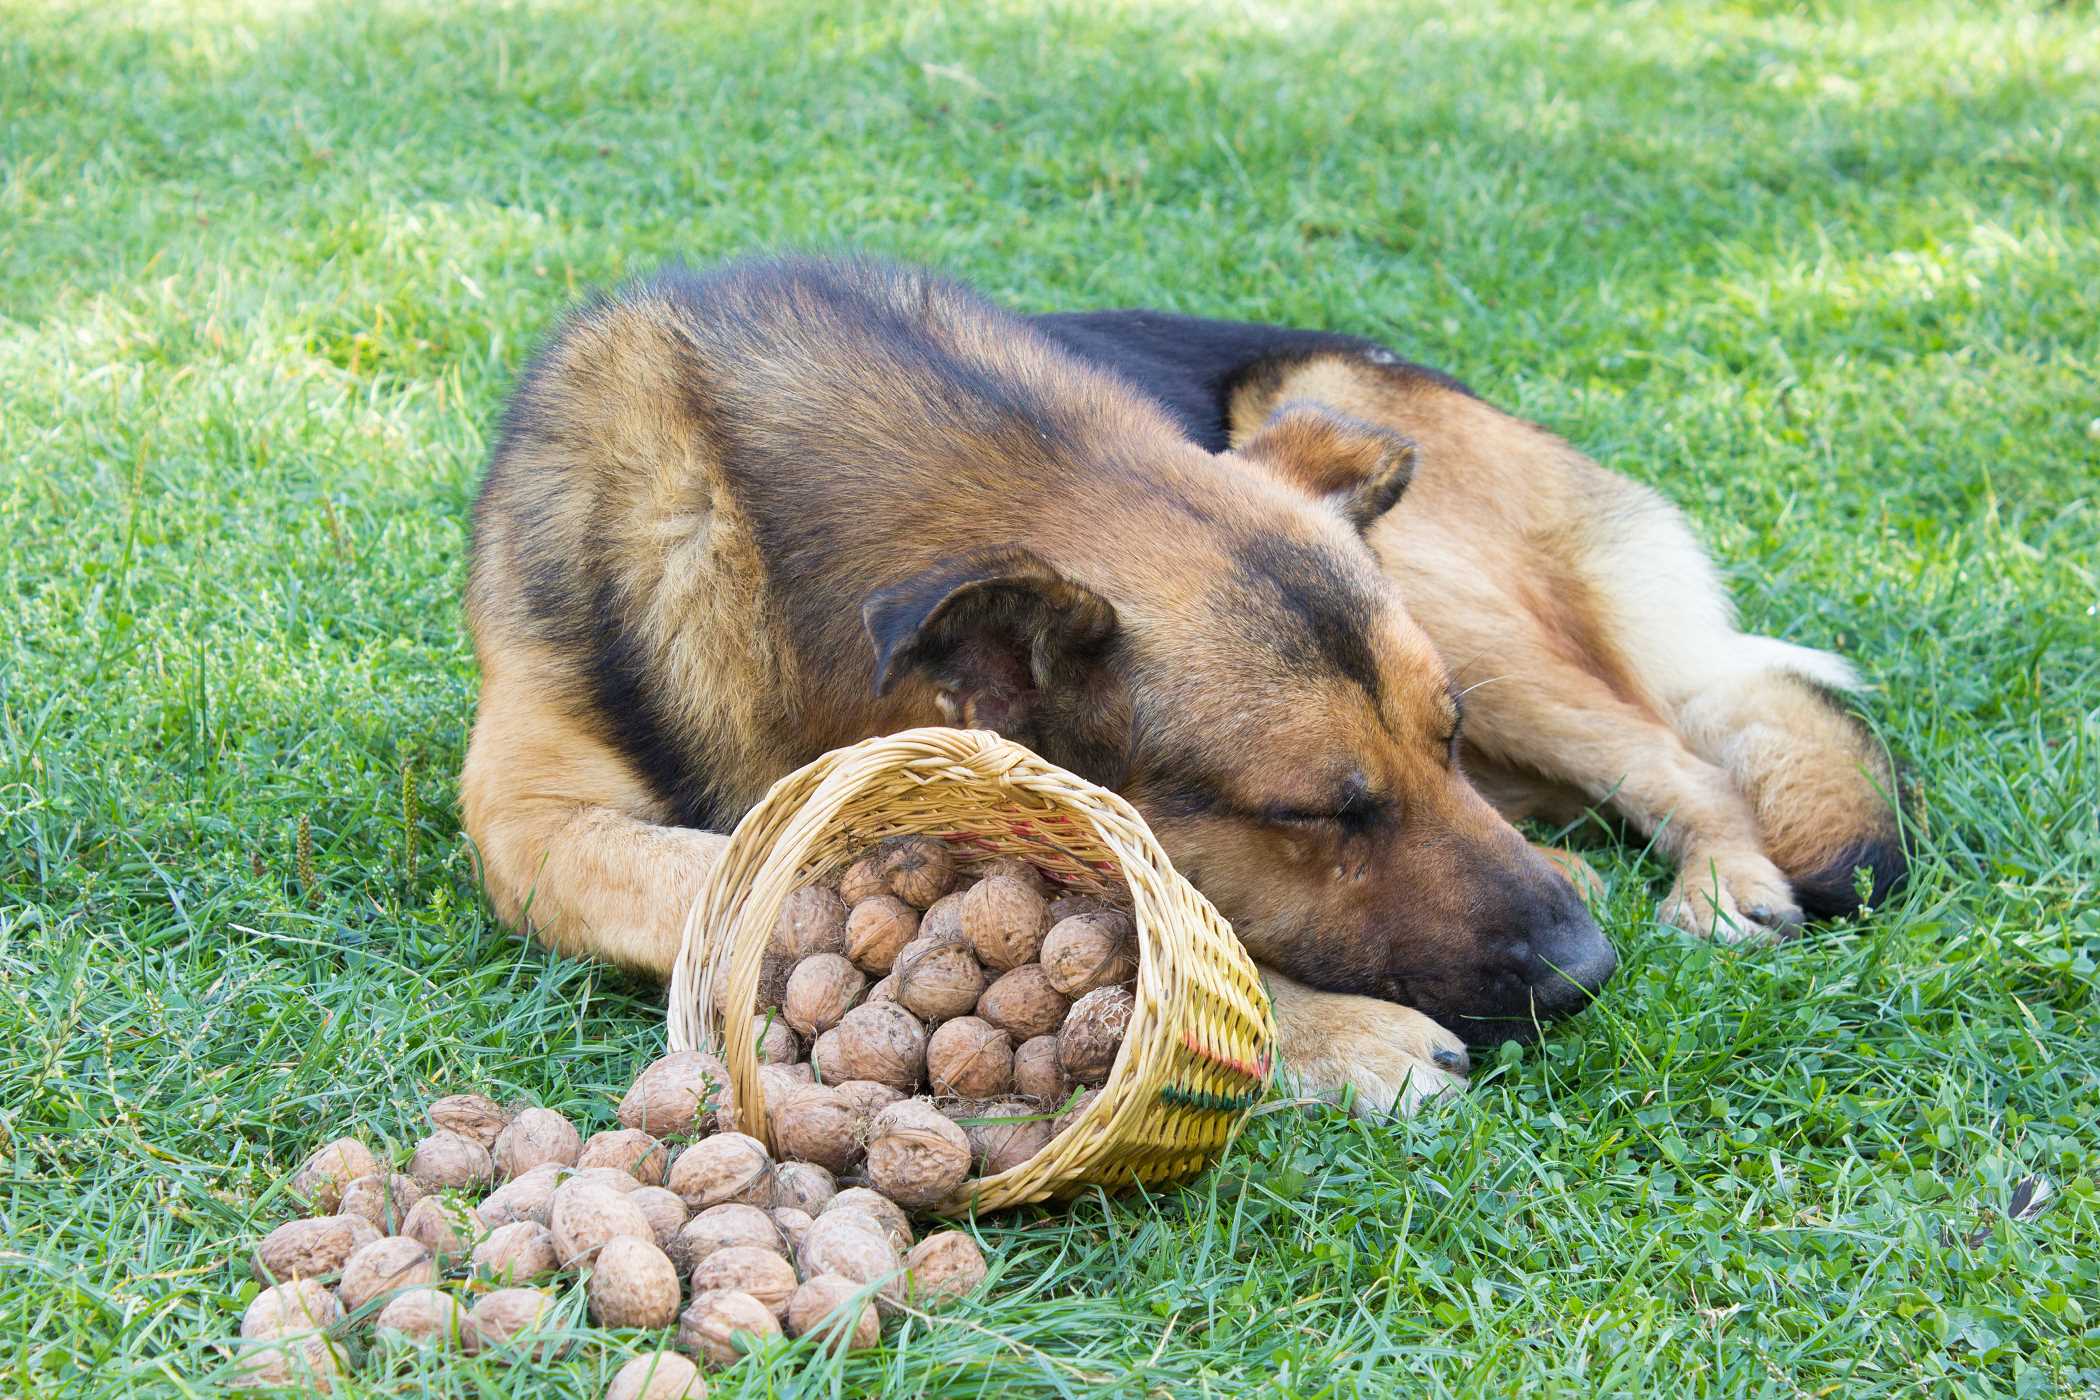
pixel 1005 920
pixel 879 1041
pixel 938 981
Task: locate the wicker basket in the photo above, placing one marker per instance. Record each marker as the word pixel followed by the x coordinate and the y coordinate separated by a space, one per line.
pixel 1197 1051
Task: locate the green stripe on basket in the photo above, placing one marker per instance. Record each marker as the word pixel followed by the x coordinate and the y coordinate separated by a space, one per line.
pixel 1216 1103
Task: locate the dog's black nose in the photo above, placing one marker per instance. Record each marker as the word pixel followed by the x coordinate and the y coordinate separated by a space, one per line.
pixel 1571 964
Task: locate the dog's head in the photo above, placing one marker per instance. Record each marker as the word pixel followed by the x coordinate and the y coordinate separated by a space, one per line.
pixel 1240 668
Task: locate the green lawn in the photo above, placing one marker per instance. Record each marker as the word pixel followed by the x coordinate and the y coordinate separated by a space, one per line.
pixel 1828 274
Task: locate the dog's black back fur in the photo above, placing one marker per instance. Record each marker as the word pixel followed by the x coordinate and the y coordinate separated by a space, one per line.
pixel 1192 365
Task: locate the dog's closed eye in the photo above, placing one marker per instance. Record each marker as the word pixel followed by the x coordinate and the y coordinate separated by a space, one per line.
pixel 1355 811
pixel 1291 816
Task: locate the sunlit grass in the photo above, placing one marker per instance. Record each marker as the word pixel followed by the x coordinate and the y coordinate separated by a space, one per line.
pixel 1826 275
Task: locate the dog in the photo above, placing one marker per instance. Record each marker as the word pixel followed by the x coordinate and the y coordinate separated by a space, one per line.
pixel 737 518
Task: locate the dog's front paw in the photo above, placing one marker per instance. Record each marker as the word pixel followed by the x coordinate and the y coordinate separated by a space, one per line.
pixel 1396 1084
pixel 1379 1057
pixel 1737 897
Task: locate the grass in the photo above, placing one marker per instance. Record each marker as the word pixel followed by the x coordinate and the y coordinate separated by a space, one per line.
pixel 1828 274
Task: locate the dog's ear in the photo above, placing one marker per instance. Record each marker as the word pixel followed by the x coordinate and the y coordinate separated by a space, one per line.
pixel 1356 467
pixel 1000 633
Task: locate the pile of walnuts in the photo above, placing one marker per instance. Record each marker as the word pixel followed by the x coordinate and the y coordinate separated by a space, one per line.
pixel 665 1221
pixel 915 1030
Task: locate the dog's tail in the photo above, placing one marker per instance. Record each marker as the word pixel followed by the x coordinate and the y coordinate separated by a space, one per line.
pixel 1823 668
pixel 1823 787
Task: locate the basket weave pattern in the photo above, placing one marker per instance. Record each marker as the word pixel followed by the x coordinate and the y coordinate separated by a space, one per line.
pixel 1197 1051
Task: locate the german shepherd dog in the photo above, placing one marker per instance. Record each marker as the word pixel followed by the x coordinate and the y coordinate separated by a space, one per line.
pixel 1328 620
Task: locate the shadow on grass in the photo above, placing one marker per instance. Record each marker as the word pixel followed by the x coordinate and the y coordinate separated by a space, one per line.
pixel 1438 155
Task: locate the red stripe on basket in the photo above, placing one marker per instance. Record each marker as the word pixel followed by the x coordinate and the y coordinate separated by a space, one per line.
pixel 1251 1069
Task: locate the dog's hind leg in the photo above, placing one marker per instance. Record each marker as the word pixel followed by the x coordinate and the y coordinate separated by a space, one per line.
pixel 1759 709
pixel 1823 788
pixel 569 845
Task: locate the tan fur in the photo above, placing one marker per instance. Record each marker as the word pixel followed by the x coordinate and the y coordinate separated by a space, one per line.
pixel 570 843
pixel 1332 1045
pixel 1599 655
